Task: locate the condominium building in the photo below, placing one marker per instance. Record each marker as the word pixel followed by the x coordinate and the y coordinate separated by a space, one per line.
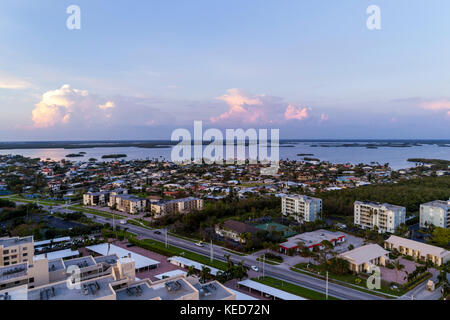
pixel 435 213
pixel 101 198
pixel 301 207
pixel 386 217
pixel 127 203
pixel 184 205
pixel 418 250
pixel 16 250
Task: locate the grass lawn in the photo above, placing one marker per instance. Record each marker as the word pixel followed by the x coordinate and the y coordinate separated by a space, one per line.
pixel 292 288
pixel 101 213
pixel 350 279
pixel 43 202
pixel 175 251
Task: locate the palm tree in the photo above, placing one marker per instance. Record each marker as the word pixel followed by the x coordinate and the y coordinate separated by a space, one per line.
pixel 191 271
pixel 205 273
pixel 398 266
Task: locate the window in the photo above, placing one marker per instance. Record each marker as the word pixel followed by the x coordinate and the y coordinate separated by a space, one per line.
pixel 31 280
pixel 25 254
pixel 24 248
pixel 5 251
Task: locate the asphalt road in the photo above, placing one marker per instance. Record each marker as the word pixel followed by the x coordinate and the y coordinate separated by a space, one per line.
pixel 279 272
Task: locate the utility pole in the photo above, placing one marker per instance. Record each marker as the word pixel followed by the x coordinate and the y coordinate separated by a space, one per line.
pixel 167 238
pixel 326 290
pixel 212 254
pixel 264 260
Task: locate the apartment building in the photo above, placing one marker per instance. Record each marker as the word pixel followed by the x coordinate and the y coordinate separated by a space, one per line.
pixel 16 250
pixel 386 217
pixel 119 286
pixel 435 213
pixel 301 207
pixel 235 230
pixel 418 250
pixel 127 203
pixel 184 205
pixel 101 198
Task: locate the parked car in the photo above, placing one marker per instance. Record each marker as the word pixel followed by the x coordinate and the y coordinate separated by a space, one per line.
pixel 255 268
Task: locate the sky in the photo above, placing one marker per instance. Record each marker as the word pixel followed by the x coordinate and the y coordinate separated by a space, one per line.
pixel 140 69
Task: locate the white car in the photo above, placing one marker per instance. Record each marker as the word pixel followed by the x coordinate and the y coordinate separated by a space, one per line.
pixel 199 244
pixel 255 268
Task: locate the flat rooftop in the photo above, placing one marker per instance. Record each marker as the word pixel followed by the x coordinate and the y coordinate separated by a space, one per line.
pixel 312 238
pixel 190 263
pixel 94 289
pixel 81 262
pixel 139 260
pixel 212 291
pixel 274 292
pixel 46 242
pixel 111 259
pixel 170 290
pixel 14 271
pixel 10 242
pixel 55 265
pixel 61 254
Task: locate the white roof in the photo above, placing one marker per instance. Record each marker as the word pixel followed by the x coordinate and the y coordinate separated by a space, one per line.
pixel 280 294
pixel 242 296
pixel 170 274
pixel 139 260
pixel 44 242
pixel 415 245
pixel 61 254
pixel 195 264
pixel 364 254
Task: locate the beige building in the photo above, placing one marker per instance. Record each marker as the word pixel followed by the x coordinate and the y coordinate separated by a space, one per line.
pixel 301 207
pixel 235 230
pixel 127 203
pixel 435 213
pixel 97 278
pixel 362 259
pixel 115 287
pixel 16 251
pixel 418 250
pixel 185 205
pixel 386 217
pixel 101 198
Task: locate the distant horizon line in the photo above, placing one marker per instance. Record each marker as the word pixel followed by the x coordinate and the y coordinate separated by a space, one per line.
pixel 281 140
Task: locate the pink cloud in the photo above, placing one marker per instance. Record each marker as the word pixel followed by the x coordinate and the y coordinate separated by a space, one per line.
pixel 323 117
pixel 257 109
pixel 293 112
pixel 436 105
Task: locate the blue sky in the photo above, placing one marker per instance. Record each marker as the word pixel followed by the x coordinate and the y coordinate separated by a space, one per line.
pixel 139 69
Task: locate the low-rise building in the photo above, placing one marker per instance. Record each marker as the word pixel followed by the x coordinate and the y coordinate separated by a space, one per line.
pixel 436 213
pixel 362 259
pixel 127 203
pixel 384 216
pixel 101 198
pixel 184 205
pixel 302 208
pixel 311 240
pixel 235 230
pixel 418 250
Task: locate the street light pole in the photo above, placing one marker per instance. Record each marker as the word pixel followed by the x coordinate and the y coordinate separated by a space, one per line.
pixel 212 254
pixel 326 291
pixel 167 238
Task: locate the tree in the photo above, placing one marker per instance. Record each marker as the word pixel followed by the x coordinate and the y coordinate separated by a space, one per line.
pixel 191 271
pixel 205 274
pixel 398 266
